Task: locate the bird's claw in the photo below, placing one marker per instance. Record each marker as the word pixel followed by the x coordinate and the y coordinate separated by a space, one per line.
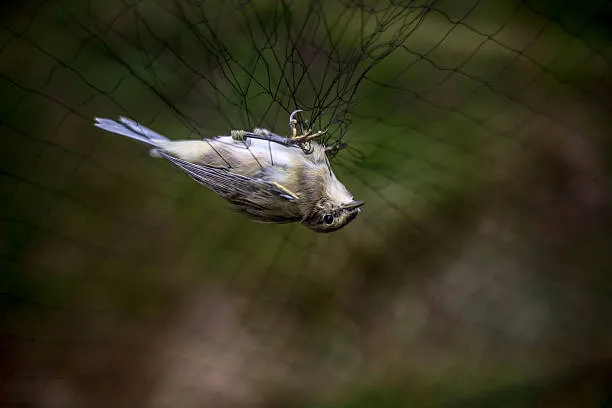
pixel 293 122
pixel 303 140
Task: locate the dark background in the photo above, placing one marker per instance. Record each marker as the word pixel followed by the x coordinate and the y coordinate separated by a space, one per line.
pixel 477 275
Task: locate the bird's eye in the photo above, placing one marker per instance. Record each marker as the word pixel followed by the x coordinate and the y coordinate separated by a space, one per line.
pixel 328 219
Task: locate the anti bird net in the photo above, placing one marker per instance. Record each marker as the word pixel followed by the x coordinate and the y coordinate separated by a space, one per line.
pixel 475 275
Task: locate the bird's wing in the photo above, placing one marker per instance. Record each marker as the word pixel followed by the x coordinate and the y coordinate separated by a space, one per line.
pixel 247 194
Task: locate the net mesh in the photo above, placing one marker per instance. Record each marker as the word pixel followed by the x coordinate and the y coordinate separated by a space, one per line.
pixel 476 275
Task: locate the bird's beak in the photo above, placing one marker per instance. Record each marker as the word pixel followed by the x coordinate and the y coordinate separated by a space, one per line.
pixel 353 204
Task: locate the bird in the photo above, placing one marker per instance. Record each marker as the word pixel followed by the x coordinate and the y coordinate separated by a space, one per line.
pixel 267 177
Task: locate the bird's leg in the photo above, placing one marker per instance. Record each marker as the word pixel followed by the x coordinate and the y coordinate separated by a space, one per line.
pixel 242 135
pixel 261 134
pixel 302 141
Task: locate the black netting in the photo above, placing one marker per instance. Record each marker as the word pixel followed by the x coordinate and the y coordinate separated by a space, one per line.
pixel 477 273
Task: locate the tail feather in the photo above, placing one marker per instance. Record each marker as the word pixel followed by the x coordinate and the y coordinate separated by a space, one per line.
pixel 138 128
pixel 131 129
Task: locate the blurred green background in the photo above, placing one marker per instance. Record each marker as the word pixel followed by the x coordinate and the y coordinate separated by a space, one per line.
pixel 478 274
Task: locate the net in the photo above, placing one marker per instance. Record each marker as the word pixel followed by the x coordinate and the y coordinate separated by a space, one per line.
pixel 476 132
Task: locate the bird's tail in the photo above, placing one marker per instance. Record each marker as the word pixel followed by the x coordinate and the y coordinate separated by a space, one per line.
pixel 128 127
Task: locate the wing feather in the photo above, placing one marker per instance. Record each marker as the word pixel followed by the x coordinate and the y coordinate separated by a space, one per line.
pixel 242 191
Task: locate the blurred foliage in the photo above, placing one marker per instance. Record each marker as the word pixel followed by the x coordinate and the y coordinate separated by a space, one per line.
pixel 476 276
